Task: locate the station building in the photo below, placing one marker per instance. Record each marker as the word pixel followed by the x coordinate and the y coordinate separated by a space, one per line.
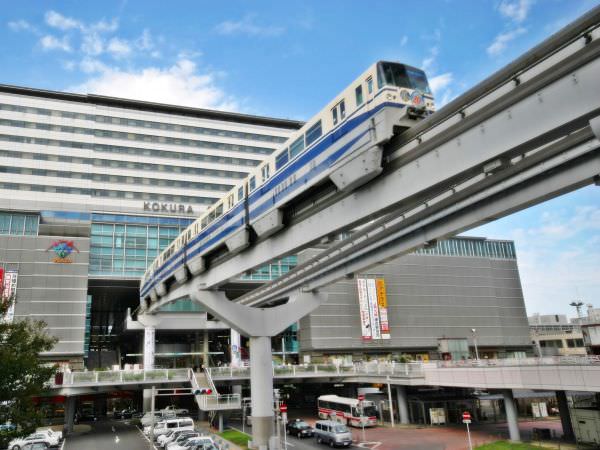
pixel 92 188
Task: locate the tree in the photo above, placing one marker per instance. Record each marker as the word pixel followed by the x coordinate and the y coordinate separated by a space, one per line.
pixel 23 375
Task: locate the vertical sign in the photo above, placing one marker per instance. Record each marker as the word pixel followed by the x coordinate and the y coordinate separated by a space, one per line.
pixel 373 309
pixel 363 302
pixel 149 343
pixel 383 312
pixel 235 348
pixel 9 291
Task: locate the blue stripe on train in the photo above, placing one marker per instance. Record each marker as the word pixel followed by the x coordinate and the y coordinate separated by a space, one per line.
pixel 264 190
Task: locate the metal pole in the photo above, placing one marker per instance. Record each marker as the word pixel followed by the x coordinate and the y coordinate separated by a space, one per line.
pixel 391 404
pixel 283 348
pixel 469 437
pixel 153 391
pixel 244 419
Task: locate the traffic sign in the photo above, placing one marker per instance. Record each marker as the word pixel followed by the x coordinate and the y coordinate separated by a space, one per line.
pixel 361 397
pixel 466 415
pixel 283 408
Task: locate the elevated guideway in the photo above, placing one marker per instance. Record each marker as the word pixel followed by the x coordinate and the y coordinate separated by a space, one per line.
pixel 528 133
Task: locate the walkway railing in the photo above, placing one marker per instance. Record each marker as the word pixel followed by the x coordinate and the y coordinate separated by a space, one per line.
pixel 397 370
pixel 122 376
pixel 515 362
pixel 213 401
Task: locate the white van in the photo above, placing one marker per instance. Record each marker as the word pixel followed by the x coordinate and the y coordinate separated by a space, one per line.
pixel 181 423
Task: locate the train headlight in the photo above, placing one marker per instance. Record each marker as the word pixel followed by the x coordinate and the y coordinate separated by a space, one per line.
pixel 405 96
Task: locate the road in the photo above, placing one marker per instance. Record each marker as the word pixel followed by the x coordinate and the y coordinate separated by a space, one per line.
pixel 108 435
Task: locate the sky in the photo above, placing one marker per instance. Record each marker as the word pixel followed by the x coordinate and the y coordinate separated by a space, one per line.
pixel 289 58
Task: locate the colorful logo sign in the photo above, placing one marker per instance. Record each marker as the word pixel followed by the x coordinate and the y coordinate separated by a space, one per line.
pixel 63 250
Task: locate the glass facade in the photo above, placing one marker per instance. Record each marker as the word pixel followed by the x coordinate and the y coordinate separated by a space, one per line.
pixel 274 270
pixel 471 247
pixel 123 246
pixel 19 224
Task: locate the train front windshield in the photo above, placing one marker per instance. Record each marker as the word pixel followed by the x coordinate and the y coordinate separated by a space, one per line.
pixel 401 76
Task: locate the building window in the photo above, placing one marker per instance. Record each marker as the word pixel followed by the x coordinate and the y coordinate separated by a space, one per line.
pixel 19 224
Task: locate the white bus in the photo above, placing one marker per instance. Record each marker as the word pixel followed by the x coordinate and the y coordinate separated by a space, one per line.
pixel 348 411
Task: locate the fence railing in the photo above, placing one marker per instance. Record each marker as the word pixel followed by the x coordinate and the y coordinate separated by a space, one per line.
pixel 391 369
pixel 404 370
pixel 121 376
pixel 515 362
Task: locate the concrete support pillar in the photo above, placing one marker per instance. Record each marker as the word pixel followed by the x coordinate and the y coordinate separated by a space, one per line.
pixel 205 350
pixel 235 341
pixel 149 350
pixel 220 421
pixel 402 400
pixel 512 417
pixel 70 414
pixel 565 417
pixel 261 387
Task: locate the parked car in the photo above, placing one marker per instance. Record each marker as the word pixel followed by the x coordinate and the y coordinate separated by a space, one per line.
pixel 182 423
pixel 203 442
pixel 85 416
pixel 299 428
pixel 176 436
pixel 146 419
pixel 35 438
pixel 332 433
pixel 174 410
pixel 126 413
pixel 51 433
pixel 7 426
pixel 36 446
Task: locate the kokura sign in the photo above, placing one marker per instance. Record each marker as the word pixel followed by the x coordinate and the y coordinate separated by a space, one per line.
pixel 168 207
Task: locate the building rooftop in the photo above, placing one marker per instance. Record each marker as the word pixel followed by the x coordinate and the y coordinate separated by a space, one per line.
pixel 152 107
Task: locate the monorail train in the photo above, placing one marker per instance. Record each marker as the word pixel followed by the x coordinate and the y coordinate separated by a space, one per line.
pixel 342 143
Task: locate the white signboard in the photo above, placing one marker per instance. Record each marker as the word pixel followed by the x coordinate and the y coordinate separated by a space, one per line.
pixel 363 303
pixel 9 292
pixel 373 309
pixel 372 302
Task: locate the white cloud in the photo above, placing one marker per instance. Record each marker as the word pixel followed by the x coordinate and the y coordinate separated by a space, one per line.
pixel 57 20
pixel 429 62
pixel 440 82
pixel 50 42
pixel 145 41
pixel 403 41
pixel 248 27
pixel 91 65
pixel 104 26
pixel 21 25
pixel 515 10
pixel 119 48
pixel 502 40
pixel 180 84
pixel 92 44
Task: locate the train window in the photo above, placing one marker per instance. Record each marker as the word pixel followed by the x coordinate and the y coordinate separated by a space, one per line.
pixel 251 183
pixel 313 133
pixel 204 222
pixel 240 193
pixel 230 201
pixel 334 115
pixel 265 172
pixel 342 110
pixel 281 159
pixel 219 210
pixel 370 85
pixel 297 147
pixel 359 95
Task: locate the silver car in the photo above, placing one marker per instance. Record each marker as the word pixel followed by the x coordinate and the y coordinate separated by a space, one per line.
pixel 333 433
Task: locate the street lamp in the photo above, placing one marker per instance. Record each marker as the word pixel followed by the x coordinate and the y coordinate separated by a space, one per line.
pixel 474 331
pixel 577 306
